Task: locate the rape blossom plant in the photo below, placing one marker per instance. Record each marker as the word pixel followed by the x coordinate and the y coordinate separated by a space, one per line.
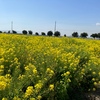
pixel 47 68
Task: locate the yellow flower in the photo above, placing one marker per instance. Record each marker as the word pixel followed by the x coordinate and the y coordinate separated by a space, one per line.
pixel 27 68
pixel 52 72
pixel 93 79
pixel 2 85
pixel 93 73
pixel 4 99
pixel 45 79
pixel 51 87
pixel 29 91
pixel 48 70
pixel 2 59
pixel 68 80
pixel 2 67
pixel 99 73
pixel 83 70
pixel 16 98
pixel 39 97
pixel 34 71
pixel 32 99
pixel 64 74
pixel 1 71
pixel 8 76
pixel 95 83
pixel 38 85
pixel 67 73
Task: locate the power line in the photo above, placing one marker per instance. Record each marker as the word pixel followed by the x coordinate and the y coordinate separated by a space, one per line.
pixel 12 27
pixel 55 27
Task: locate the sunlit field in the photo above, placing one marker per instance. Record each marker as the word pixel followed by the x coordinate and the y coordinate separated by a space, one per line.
pixel 47 68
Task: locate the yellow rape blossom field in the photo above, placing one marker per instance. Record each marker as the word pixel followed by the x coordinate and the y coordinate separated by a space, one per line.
pixel 47 68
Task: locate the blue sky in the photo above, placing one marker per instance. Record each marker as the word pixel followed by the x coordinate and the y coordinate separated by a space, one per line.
pixel 40 15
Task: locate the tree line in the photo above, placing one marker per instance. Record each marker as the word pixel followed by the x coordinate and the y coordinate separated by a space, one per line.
pixel 49 33
pixel 25 32
pixel 84 34
pixel 56 33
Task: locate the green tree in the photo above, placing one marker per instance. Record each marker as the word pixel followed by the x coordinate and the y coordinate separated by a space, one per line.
pixel 75 34
pixel 24 32
pixel 13 31
pixel 84 35
pixel 36 33
pixel 95 35
pixel 30 32
pixel 64 35
pixel 57 33
pixel 8 31
pixel 42 33
pixel 49 33
pixel 0 31
pixel 99 35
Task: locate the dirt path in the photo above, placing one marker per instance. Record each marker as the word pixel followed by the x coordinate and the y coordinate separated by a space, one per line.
pixel 93 95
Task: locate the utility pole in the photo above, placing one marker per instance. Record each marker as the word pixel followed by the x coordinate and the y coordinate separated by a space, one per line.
pixel 12 27
pixel 55 27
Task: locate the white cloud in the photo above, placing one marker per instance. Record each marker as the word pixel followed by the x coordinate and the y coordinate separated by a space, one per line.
pixel 97 24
